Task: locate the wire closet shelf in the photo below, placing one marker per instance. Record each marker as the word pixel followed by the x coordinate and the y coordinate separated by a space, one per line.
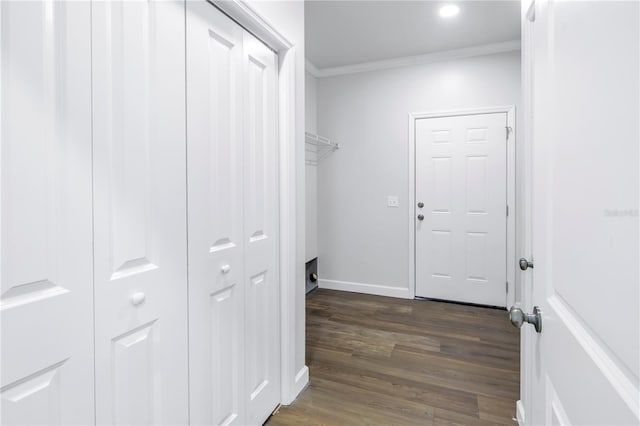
pixel 317 148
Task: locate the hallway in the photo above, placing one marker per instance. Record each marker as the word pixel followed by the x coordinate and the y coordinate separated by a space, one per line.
pixel 379 360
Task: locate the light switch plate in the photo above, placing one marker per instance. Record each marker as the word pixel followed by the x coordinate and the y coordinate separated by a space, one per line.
pixel 392 201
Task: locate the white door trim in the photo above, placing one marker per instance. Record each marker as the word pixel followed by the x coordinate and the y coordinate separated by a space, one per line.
pixel 291 289
pixel 525 247
pixel 510 110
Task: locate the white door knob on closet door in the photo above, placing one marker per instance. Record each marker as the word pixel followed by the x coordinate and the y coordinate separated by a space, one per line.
pixel 225 269
pixel 138 298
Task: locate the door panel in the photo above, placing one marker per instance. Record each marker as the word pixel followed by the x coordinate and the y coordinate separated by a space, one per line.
pixel 216 245
pixel 234 334
pixel 585 213
pixel 46 302
pixel 139 212
pixel 461 173
pixel 262 330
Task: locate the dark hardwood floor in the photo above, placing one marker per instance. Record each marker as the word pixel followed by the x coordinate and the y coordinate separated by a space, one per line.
pixel 381 361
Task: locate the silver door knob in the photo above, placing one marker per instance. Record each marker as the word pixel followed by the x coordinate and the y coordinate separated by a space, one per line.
pixel 525 264
pixel 420 217
pixel 518 317
pixel 420 204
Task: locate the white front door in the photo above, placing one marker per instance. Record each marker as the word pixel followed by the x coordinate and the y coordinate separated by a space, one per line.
pixel 140 212
pixel 216 242
pixel 584 366
pixel 46 302
pixel 461 202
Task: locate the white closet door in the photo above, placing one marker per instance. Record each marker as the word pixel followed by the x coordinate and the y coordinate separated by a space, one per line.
pixel 262 330
pixel 140 212
pixel 215 167
pixel 461 177
pixel 46 301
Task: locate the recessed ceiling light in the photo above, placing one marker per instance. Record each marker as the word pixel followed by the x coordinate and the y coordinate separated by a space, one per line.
pixel 449 10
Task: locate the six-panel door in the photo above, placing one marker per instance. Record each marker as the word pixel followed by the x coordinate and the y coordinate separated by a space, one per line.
pixel 46 300
pixel 139 168
pixel 461 177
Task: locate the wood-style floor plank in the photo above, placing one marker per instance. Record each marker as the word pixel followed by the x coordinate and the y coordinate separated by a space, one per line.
pixel 382 361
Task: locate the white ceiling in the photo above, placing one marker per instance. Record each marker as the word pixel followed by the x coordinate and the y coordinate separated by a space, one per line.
pixel 342 33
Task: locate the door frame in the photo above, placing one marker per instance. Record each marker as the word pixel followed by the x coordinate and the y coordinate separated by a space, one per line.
pixel 527 19
pixel 510 111
pixel 290 262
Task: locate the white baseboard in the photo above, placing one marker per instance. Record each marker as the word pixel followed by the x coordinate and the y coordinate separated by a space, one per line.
pixel 299 384
pixel 378 290
pixel 302 378
pixel 520 413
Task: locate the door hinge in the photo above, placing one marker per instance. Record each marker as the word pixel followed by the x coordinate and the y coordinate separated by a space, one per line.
pixel 507 210
pixel 506 287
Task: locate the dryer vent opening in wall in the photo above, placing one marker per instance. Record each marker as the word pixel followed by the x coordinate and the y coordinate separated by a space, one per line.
pixel 311 282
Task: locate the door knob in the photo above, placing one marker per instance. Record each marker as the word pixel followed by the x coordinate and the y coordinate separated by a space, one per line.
pixel 225 269
pixel 420 204
pixel 518 317
pixel 137 298
pixel 525 264
pixel 420 217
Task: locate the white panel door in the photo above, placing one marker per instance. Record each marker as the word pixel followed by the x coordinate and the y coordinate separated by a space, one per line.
pixel 46 300
pixel 262 329
pixel 139 165
pixel 585 364
pixel 216 244
pixel 461 170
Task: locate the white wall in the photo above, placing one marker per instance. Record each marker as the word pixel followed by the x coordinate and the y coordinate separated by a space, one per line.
pixel 311 193
pixel 311 101
pixel 288 18
pixel 363 244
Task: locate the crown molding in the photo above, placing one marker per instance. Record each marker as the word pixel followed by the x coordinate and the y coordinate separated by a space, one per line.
pixel 447 55
pixel 311 69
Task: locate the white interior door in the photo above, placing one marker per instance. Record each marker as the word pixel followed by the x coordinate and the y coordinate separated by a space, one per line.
pixel 216 242
pixel 140 212
pixel 461 230
pixel 262 328
pixel 46 300
pixel 585 362
pixel 233 278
